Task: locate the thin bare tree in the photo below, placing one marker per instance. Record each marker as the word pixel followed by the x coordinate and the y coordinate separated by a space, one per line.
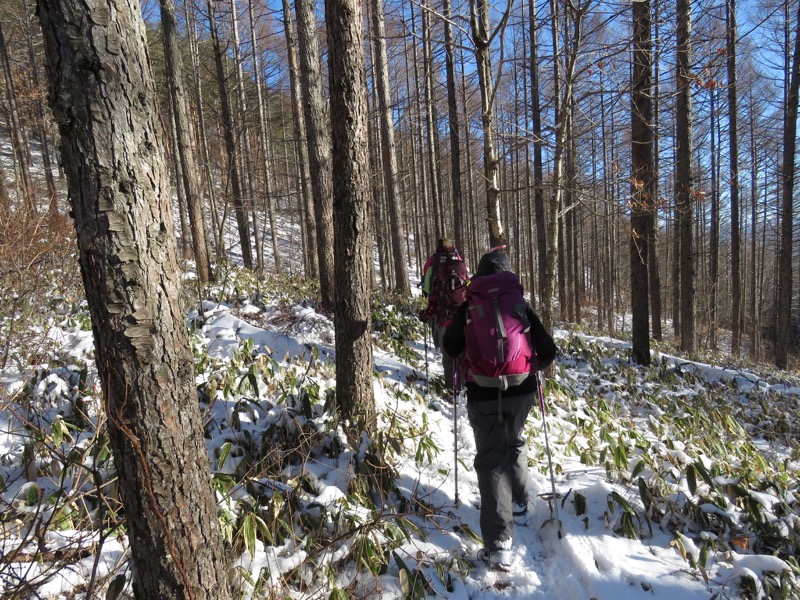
pixel 185 141
pixel 642 177
pixel 388 154
pixel 733 147
pixel 784 301
pixel 311 255
pixel 483 38
pixel 232 169
pixel 319 145
pixel 683 175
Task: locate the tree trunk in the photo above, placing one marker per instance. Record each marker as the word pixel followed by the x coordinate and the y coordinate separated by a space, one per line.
pixel 264 145
pixel 203 138
pixel 41 122
pixel 482 40
pixel 538 142
pixel 5 200
pixel 185 234
pixel 319 146
pixel 713 250
pixel 753 306
pixel 431 128
pixel 452 121
pixel 561 106
pixel 654 272
pixel 733 144
pixel 388 153
pixel 185 141
pixel 351 214
pixel 239 204
pixel 472 247
pixel 20 149
pixel 642 176
pixel 684 196
pixel 784 308
pixel 301 148
pixel 426 193
pixel 244 148
pixel 103 98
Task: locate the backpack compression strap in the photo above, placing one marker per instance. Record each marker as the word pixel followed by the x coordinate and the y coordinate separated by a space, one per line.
pixel 501 382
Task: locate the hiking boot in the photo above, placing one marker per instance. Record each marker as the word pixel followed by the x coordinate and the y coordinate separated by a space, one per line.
pixel 519 511
pixel 496 559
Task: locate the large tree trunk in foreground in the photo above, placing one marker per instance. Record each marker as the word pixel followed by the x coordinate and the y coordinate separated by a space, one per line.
pixel 351 215
pixel 102 95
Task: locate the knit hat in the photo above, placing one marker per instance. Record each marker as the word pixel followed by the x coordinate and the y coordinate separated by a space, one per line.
pixel 493 262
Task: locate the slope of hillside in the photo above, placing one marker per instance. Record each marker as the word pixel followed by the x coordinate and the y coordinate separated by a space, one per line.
pixel 673 481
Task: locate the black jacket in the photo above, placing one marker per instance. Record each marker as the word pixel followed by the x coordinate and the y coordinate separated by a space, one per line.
pixel 454 341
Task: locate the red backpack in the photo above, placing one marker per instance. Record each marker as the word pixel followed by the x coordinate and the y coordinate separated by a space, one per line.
pixel 449 288
pixel 497 332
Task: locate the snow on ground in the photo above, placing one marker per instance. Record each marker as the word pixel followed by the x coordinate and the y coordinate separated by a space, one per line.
pixel 588 561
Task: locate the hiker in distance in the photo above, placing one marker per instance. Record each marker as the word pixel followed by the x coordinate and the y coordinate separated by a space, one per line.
pixel 504 344
pixel 445 285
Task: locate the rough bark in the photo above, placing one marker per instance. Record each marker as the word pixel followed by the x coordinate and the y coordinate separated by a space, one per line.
pixel 319 146
pixel 351 215
pixel 102 95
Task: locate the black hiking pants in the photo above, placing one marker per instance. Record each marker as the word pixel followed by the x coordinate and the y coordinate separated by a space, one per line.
pixel 447 362
pixel 501 463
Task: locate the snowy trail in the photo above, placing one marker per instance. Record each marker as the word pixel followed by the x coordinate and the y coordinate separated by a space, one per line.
pixel 589 562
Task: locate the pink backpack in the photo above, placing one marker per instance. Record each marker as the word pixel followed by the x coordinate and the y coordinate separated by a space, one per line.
pixel 497 332
pixel 449 287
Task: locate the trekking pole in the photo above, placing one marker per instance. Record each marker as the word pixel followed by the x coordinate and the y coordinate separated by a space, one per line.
pixel 547 446
pixel 455 426
pixel 427 390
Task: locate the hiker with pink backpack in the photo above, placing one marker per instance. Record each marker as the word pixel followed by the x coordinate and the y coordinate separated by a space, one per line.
pixel 445 285
pixel 502 345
